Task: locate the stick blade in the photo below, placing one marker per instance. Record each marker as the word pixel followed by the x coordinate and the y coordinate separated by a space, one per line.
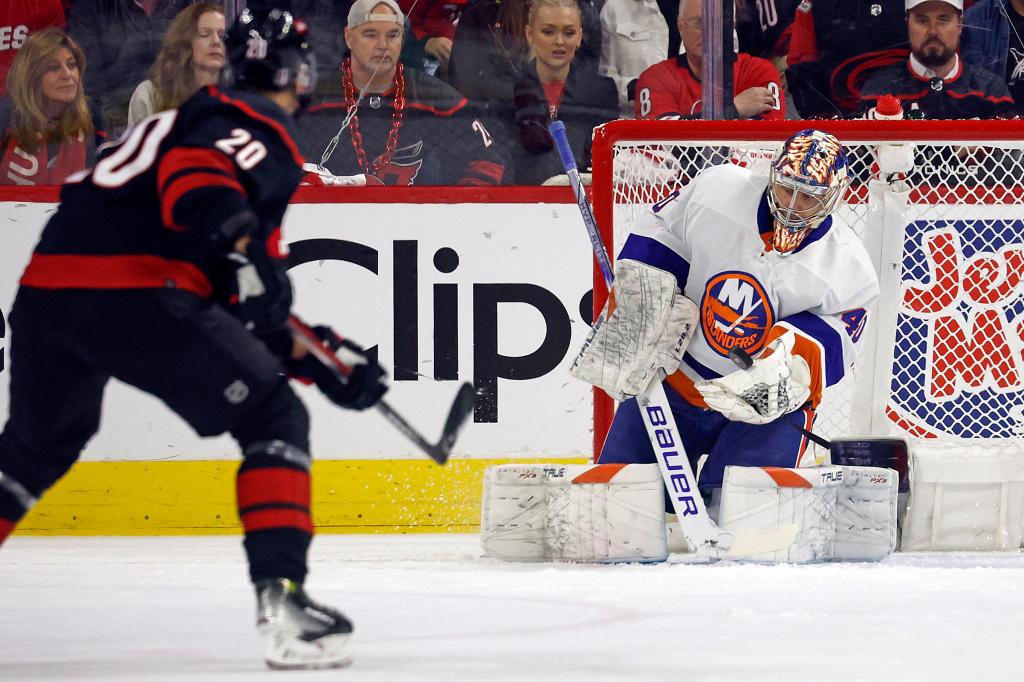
pixel 458 415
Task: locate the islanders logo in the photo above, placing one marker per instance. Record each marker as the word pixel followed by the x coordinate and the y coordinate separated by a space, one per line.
pixel 735 313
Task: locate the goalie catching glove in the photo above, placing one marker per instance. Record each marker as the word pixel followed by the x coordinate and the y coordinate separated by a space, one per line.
pixel 641 335
pixel 777 383
pixel 361 389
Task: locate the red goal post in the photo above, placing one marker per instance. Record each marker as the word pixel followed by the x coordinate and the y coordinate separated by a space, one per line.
pixel 942 360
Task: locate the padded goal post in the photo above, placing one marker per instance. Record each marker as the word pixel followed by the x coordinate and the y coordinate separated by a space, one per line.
pixel 942 360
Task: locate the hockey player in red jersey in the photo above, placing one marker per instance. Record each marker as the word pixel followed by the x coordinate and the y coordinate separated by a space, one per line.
pixel 672 88
pixel 161 269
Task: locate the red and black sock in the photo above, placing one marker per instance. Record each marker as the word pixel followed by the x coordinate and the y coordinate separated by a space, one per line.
pixel 273 488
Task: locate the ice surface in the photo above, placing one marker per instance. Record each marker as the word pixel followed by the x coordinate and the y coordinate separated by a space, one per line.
pixel 427 607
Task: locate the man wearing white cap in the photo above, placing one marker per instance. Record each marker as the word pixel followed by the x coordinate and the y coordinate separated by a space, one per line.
pixel 934 78
pixel 404 126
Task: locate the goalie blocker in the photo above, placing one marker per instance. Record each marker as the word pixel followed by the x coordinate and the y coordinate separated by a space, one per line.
pixel 616 512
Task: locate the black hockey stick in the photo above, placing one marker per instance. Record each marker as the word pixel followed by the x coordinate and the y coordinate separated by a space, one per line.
pixel 460 410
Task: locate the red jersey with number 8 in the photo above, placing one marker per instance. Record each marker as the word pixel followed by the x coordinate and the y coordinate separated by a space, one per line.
pixel 669 89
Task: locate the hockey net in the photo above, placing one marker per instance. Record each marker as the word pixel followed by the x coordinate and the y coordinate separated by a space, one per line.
pixel 942 360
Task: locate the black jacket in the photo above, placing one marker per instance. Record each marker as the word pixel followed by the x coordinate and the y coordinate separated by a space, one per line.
pixel 843 30
pixel 975 93
pixel 588 101
pixel 485 69
pixel 439 141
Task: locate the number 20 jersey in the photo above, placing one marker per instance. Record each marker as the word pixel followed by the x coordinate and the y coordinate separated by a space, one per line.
pixel 715 236
pixel 145 215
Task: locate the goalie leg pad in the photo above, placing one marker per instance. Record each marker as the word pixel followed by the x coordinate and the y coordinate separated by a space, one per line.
pixel 768 502
pixel 588 513
pixel 833 513
pixel 866 514
pixel 642 334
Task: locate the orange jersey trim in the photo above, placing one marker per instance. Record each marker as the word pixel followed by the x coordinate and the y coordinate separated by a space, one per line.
pixel 807 348
pixel 601 473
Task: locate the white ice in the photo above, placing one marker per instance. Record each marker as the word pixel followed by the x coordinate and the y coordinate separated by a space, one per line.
pixel 428 607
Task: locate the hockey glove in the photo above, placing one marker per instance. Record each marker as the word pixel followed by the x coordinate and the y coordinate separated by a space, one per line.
pixel 643 338
pixel 262 287
pixel 361 389
pixel 774 385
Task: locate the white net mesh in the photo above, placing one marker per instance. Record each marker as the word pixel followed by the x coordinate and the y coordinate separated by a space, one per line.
pixel 944 359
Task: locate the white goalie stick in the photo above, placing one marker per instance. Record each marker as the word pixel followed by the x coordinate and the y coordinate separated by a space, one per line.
pixel 701 532
pixel 459 412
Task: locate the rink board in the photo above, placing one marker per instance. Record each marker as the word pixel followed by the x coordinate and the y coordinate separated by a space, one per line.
pixel 490 286
pixel 197 498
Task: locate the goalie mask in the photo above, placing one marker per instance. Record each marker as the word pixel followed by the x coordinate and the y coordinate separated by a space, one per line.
pixel 807 182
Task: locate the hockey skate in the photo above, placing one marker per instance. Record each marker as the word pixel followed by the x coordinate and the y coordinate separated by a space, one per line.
pixel 299 633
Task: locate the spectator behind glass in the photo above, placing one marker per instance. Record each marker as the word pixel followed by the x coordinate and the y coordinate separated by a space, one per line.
pixel 634 36
pixel 764 27
pixel 490 47
pixel 407 128
pixel 191 56
pixel 935 79
pixel 672 89
pixel 428 43
pixel 842 41
pixel 19 18
pixel 552 86
pixel 993 39
pixel 120 38
pixel 45 121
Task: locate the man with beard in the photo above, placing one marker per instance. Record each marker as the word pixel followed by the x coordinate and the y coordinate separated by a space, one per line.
pixel 934 78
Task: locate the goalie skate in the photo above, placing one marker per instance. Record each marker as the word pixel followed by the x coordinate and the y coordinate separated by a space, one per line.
pixel 300 634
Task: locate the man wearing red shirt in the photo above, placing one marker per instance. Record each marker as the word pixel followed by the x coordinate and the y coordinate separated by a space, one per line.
pixel 18 18
pixel 672 89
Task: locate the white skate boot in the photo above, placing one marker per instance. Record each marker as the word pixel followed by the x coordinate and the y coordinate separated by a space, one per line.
pixel 299 633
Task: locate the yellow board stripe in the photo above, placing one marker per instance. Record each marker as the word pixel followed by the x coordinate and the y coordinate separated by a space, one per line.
pixel 198 497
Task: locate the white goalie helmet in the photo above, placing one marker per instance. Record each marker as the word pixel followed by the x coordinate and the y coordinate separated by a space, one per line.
pixel 808 179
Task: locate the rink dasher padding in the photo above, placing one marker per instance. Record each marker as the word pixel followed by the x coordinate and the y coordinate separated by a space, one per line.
pixel 198 497
pixel 488 285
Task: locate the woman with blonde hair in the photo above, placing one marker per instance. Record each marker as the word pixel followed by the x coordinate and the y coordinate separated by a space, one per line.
pixel 490 48
pixel 554 85
pixel 45 125
pixel 191 56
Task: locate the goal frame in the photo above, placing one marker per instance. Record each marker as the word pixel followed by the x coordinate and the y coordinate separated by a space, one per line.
pixel 862 131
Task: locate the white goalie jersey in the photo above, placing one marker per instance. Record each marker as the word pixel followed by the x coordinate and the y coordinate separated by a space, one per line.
pixel 714 235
